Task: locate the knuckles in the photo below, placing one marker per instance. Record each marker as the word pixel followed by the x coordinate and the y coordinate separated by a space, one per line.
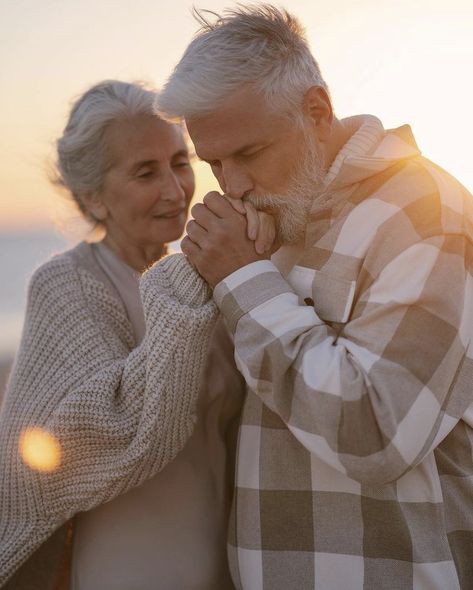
pixel 211 198
pixel 190 226
pixel 197 209
pixel 185 244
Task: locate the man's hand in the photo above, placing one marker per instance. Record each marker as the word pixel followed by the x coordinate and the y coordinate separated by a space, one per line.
pixel 226 235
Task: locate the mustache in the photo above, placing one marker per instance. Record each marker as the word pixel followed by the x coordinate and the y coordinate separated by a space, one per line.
pixel 265 202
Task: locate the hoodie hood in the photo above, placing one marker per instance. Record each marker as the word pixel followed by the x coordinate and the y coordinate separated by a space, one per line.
pixel 370 150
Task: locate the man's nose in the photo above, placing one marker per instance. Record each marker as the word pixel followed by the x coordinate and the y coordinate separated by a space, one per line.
pixel 237 180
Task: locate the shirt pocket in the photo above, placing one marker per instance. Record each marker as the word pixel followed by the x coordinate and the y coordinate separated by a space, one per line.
pixel 332 296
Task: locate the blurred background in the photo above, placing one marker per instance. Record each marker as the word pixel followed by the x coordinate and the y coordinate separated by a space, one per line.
pixel 406 61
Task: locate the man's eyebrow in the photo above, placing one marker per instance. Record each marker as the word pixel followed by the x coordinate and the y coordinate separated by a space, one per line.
pixel 238 152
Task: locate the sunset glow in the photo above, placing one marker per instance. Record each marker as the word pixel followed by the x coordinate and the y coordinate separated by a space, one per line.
pixel 403 61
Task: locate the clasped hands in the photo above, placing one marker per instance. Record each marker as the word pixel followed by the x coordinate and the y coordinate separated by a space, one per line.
pixel 226 234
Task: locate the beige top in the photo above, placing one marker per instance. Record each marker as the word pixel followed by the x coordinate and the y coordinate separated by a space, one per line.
pixel 170 532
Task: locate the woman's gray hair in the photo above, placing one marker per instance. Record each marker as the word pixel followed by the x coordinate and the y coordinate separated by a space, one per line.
pixel 83 157
pixel 258 45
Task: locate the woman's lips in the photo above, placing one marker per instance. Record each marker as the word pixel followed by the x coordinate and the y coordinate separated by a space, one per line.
pixel 170 214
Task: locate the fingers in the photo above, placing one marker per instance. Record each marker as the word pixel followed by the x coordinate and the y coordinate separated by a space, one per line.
pixel 237 204
pixel 203 215
pixel 220 205
pixel 260 226
pixel 266 233
pixel 252 220
pixel 215 206
pixel 219 238
pixel 190 249
pixel 196 232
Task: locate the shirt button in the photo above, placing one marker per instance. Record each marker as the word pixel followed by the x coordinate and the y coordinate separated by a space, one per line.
pixel 309 301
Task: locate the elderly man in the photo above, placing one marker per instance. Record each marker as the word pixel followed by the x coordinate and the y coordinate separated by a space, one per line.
pixel 355 464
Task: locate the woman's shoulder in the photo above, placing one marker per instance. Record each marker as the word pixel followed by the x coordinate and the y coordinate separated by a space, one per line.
pixel 73 262
pixel 70 284
pixel 65 271
pixel 61 264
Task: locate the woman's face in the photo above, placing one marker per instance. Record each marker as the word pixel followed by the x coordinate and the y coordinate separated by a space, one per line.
pixel 147 191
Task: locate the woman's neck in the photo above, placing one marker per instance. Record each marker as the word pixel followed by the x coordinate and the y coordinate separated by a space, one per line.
pixel 138 257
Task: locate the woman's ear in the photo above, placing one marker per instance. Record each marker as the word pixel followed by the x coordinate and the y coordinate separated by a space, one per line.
pixel 93 203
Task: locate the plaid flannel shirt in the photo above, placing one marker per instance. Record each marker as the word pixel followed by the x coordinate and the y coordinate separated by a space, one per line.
pixel 355 465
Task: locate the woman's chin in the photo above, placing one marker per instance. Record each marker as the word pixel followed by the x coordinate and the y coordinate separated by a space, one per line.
pixel 170 234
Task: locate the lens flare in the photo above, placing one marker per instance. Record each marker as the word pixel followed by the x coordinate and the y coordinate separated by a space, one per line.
pixel 40 450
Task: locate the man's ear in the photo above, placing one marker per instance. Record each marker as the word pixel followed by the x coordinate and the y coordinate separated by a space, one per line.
pixel 93 203
pixel 318 109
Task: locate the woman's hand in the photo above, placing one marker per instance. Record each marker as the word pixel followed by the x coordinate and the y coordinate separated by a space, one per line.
pixel 261 228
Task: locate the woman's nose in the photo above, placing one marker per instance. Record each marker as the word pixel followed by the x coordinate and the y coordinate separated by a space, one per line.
pixel 171 188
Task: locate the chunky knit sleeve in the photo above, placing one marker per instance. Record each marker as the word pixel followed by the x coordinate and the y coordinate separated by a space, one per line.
pixel 119 417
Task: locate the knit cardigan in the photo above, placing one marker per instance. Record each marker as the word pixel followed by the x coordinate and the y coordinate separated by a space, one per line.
pixel 119 416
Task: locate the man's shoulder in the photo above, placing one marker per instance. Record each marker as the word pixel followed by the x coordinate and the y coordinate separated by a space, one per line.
pixel 421 194
pixel 386 214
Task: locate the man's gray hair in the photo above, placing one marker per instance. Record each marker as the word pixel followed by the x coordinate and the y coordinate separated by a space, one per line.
pixel 83 156
pixel 261 45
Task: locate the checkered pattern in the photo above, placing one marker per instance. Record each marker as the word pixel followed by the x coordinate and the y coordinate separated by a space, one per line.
pixel 355 463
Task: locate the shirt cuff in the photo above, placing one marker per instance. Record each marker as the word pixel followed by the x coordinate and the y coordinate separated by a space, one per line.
pixel 247 288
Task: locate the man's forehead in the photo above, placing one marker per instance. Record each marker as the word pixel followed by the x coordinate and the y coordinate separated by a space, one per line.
pixel 240 122
pixel 216 142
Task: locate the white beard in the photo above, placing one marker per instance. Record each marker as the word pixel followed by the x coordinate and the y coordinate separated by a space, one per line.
pixel 291 209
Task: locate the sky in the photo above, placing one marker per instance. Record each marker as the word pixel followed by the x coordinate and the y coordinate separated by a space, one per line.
pixel 405 61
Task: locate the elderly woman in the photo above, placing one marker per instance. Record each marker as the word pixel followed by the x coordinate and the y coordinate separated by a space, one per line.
pixel 107 372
